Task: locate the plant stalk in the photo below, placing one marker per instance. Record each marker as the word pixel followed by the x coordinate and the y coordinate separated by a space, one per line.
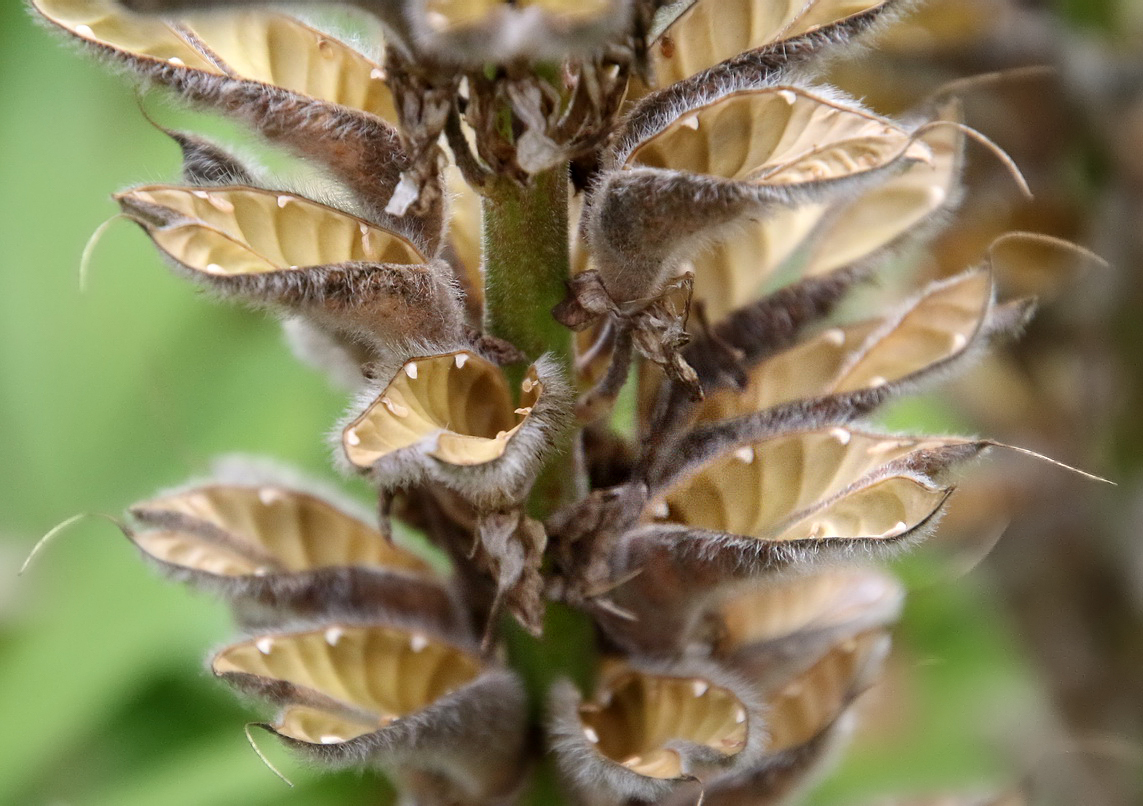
pixel 526 266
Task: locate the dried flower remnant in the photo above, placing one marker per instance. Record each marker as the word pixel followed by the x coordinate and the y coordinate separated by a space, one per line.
pixel 661 179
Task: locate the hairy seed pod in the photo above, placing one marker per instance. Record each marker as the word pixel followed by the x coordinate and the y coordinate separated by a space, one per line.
pixel 451 417
pixel 389 695
pixel 277 553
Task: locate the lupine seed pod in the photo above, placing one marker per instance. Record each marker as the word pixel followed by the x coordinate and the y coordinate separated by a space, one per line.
pixel 805 719
pixel 280 249
pixel 671 186
pixel 463 245
pixel 845 372
pixel 397 697
pixel 733 35
pixel 887 491
pixel 277 553
pixel 451 417
pixel 235 62
pixel 828 236
pixel 773 629
pixel 649 729
pixel 797 476
pixel 832 246
pixel 207 163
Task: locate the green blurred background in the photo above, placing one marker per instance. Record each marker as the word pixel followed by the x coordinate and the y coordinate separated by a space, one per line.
pixel 135 384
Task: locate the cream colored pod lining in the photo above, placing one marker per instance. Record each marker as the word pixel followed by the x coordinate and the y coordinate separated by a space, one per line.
pixel 239 230
pixel 251 45
pixel 712 31
pixel 372 676
pixel 808 485
pixel 458 404
pixel 635 717
pixel 264 529
pixel 777 136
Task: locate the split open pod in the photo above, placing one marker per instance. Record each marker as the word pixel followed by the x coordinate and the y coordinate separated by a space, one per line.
pixel 773 630
pixel 843 372
pixel 279 249
pixel 453 418
pixel 277 553
pixel 287 80
pixel 805 718
pixel 762 507
pixel 646 731
pixel 672 182
pixel 417 704
pixel 815 239
pixel 739 35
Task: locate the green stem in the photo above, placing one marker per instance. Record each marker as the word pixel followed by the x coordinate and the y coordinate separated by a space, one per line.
pixel 526 266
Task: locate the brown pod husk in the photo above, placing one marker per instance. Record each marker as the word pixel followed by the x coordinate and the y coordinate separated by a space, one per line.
pixel 673 184
pixel 806 719
pixel 277 554
pixel 713 39
pixel 450 417
pixel 853 493
pixel 393 696
pixel 325 101
pixel 820 238
pixel 207 163
pixel 280 249
pixel 771 630
pixel 846 372
pixel 651 728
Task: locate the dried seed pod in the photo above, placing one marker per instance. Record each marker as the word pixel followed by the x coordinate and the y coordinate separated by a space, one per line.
pixel 804 719
pixel 514 545
pixel 464 234
pixel 822 484
pixel 710 32
pixel 349 275
pixel 451 417
pixel 814 699
pixel 648 730
pixel 862 364
pixel 673 184
pixel 294 84
pixel 832 246
pixel 826 236
pixel 342 359
pixel 901 209
pixel 1029 264
pixel 279 553
pixel 772 630
pixel 393 696
pixel 831 493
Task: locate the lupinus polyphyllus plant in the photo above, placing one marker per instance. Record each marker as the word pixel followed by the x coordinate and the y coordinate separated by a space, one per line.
pixel 529 205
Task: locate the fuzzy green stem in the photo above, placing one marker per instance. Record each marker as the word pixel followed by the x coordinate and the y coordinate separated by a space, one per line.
pixel 526 266
pixel 526 262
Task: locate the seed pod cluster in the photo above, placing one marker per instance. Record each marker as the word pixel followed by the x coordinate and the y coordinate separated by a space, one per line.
pixel 722 206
